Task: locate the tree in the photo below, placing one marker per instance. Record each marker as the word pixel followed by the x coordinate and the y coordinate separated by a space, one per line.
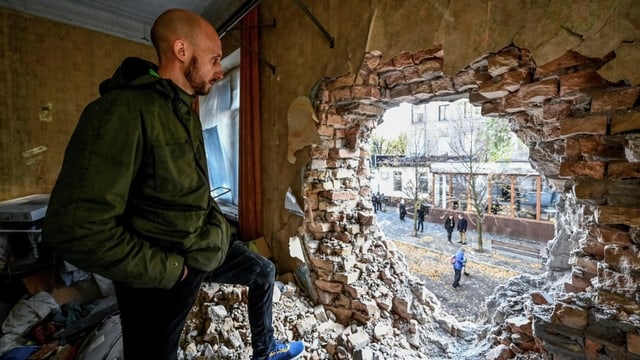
pixel 383 146
pixel 397 146
pixel 495 138
pixel 419 163
pixel 475 141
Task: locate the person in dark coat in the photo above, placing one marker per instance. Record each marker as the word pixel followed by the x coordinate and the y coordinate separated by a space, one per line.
pixel 462 229
pixel 449 225
pixel 421 213
pixel 402 209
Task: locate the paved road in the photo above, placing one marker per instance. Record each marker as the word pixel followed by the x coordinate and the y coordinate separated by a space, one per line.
pixel 434 238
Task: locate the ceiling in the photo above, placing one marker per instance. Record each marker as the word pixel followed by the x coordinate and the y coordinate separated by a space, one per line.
pixel 130 19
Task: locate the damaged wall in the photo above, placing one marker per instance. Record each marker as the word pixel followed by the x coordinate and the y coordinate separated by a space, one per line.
pixel 50 71
pixel 568 86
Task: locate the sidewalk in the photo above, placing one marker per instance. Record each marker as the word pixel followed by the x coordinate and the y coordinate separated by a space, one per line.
pixel 434 238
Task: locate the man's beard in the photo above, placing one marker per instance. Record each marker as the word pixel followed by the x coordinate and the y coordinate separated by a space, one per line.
pixel 200 87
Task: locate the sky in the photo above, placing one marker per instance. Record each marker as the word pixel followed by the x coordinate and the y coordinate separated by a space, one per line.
pixel 393 125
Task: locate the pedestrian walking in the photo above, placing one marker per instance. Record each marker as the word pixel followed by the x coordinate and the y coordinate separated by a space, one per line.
pixel 421 213
pixel 458 260
pixel 449 225
pixel 402 209
pixel 462 229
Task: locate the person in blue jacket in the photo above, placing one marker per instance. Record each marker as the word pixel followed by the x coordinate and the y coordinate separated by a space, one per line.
pixel 459 261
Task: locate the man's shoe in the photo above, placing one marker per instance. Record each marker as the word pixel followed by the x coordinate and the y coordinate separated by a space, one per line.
pixel 285 351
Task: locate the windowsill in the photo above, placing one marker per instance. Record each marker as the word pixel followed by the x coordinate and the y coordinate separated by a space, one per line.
pixel 230 211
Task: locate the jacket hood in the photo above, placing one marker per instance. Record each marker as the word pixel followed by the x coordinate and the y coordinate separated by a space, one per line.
pixel 132 72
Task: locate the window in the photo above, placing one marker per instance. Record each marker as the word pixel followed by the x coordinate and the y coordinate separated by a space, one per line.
pixel 397 181
pixel 417 118
pixel 219 113
pixel 423 182
pixel 442 112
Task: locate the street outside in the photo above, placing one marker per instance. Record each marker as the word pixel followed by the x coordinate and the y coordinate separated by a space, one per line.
pixel 428 254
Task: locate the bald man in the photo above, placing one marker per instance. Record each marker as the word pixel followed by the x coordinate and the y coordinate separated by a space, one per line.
pixel 132 201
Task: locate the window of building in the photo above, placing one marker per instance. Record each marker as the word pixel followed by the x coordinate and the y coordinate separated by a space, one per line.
pixel 417 118
pixel 397 181
pixel 442 112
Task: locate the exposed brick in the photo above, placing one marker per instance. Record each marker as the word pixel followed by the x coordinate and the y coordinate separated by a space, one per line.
pixel 365 92
pixel 570 316
pixel 366 218
pixel 556 111
pixel 623 170
pixel 593 169
pixel 372 59
pixel 403 59
pixel 595 148
pixel 513 103
pixel 610 235
pixel 400 91
pixel 346 80
pixel 580 81
pixel 505 83
pixel 442 86
pixel 623 285
pixel 588 264
pixel 619 215
pixel 334 287
pixel 421 89
pixel 625 121
pixel 584 125
pixel 344 153
pixel 633 343
pixel 343 94
pixel 592 246
pixel 579 280
pixel 594 190
pixel 538 92
pixel 319 153
pixel 334 120
pixel 592 348
pixel 558 66
pixel 392 78
pixel 338 195
pixel 621 259
pixel 492 108
pixel 343 316
pixel 465 80
pixel 427 54
pixel 411 73
pixel 503 61
pixel 430 68
pixel 618 99
pixel 324 130
pixel 385 66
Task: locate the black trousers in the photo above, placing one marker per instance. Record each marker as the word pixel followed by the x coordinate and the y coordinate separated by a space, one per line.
pixel 152 319
pixel 456 278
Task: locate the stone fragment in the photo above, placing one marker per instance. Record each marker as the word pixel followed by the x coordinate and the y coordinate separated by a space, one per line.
pixel 570 316
pixel 500 352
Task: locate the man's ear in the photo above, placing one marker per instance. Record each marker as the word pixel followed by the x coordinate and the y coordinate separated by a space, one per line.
pixel 181 50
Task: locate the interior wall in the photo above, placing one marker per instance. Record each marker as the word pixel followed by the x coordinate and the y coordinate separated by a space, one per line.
pixel 466 30
pixel 50 71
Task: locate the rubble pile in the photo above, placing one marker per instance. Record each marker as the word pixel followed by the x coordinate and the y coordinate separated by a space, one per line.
pixel 409 324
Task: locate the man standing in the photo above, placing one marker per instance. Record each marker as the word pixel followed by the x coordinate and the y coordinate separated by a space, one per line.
pixel 421 213
pixel 459 261
pixel 132 201
pixel 449 225
pixel 462 228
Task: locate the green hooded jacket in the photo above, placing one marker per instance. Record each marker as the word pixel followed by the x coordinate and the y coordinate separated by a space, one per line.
pixel 132 201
